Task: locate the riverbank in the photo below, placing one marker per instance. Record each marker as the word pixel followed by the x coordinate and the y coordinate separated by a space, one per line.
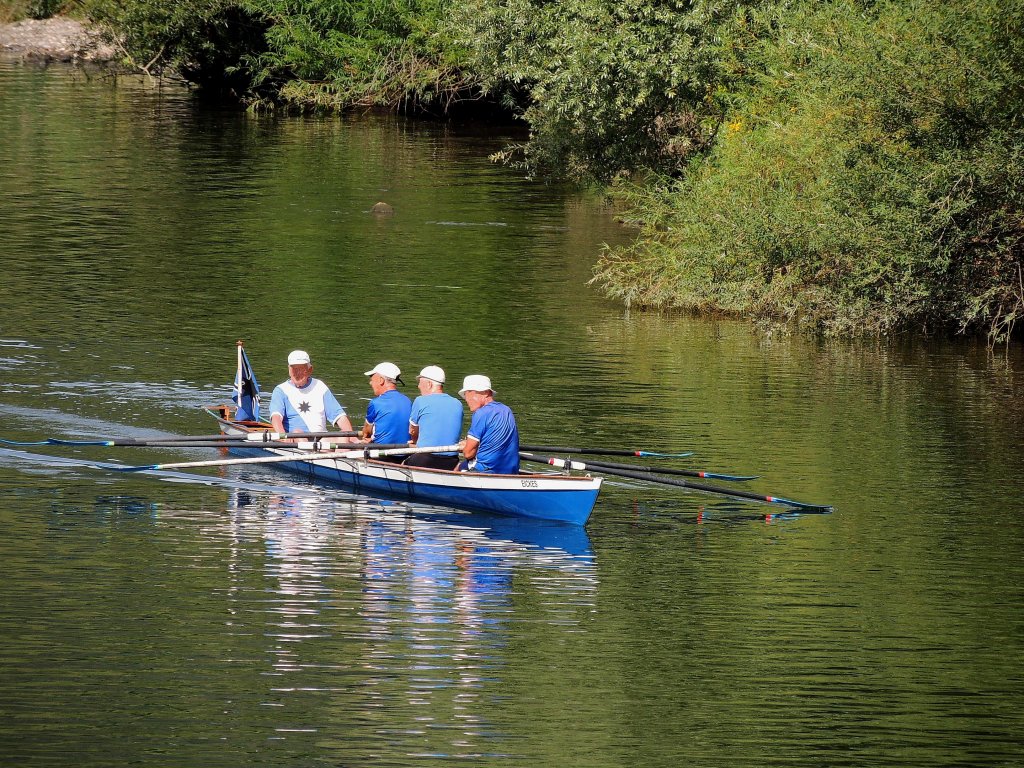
pixel 56 39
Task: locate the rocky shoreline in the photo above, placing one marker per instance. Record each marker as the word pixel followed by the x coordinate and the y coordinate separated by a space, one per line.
pixel 56 39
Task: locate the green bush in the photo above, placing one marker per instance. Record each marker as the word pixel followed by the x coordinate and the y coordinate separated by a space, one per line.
pixel 44 9
pixel 311 53
pixel 334 55
pixel 207 42
pixel 869 177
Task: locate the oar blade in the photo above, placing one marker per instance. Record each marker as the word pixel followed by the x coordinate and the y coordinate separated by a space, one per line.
pixel 60 441
pixel 801 505
pixel 731 478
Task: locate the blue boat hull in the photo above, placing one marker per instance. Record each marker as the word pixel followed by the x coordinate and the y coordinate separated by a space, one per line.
pixel 569 503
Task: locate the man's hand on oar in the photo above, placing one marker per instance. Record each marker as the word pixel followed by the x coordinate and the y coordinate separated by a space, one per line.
pixel 605 451
pixel 605 465
pixel 652 478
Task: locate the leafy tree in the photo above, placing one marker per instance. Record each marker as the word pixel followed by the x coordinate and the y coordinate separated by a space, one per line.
pixel 606 86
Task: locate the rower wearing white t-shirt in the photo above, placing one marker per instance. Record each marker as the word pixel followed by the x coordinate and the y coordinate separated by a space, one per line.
pixel 305 404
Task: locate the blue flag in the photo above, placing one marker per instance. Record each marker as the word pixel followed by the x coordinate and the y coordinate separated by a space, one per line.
pixel 247 390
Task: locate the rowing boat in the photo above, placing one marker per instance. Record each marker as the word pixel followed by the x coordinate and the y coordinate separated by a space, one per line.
pixel 555 497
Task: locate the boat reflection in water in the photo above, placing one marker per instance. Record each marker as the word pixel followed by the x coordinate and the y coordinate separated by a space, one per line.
pixel 407 611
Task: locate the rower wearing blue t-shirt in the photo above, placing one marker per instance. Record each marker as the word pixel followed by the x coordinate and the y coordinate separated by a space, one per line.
pixel 492 443
pixel 387 417
pixel 436 419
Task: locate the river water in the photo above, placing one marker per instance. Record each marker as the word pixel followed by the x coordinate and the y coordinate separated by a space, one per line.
pixel 246 618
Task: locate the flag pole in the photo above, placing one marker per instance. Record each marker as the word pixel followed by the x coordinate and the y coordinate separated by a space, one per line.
pixel 239 384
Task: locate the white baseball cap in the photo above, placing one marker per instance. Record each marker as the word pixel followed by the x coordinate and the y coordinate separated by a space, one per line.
pixel 387 370
pixel 476 383
pixel 298 357
pixel 432 372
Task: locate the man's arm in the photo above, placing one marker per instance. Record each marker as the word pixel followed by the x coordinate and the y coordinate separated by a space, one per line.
pixel 471 445
pixel 345 425
pixel 278 407
pixel 371 415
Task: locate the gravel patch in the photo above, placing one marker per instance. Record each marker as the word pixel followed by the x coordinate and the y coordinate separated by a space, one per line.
pixel 56 39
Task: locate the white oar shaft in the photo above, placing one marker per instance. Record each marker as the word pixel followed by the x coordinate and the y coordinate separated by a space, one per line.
pixel 564 464
pixel 271 437
pixel 310 456
pixel 324 443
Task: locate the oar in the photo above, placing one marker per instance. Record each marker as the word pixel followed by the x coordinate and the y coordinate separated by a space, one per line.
pixel 253 437
pixel 658 470
pixel 304 456
pixel 604 451
pixel 648 477
pixel 302 445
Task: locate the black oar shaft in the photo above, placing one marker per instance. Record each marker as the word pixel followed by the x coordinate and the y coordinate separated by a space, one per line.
pixel 650 478
pixel 305 445
pixel 603 465
pixel 255 437
pixel 592 451
pixel 696 486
